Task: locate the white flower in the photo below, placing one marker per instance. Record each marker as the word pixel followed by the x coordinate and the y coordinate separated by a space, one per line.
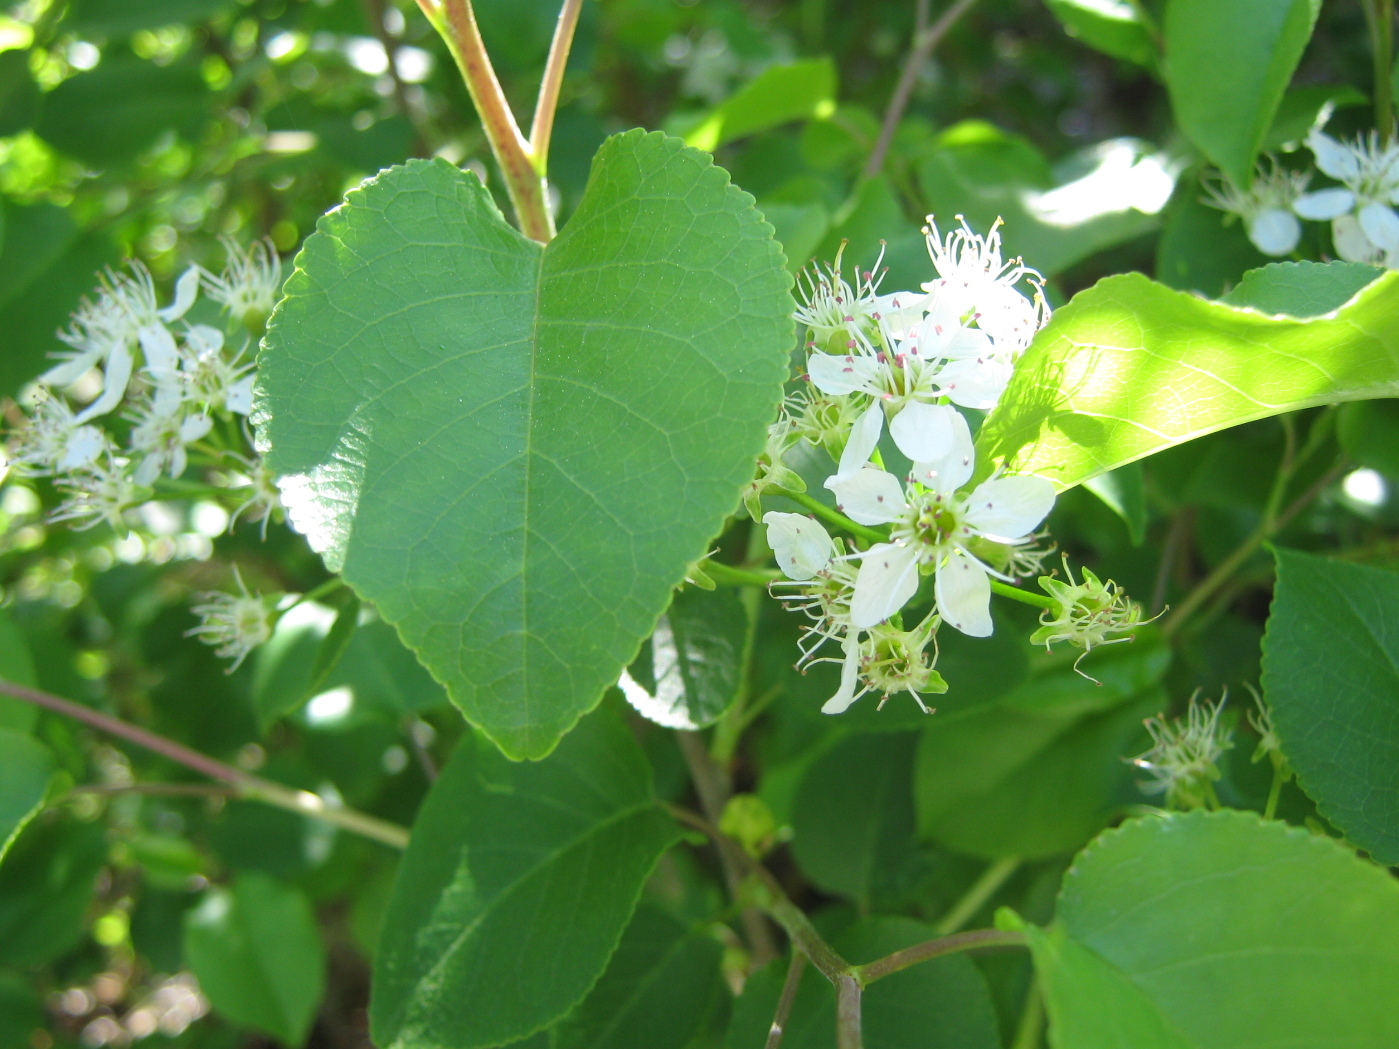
pixel 216 379
pixel 1266 206
pixel 234 624
pixel 1365 228
pixel 104 331
pixel 162 428
pixel 53 441
pixel 935 529
pixel 249 283
pixel 100 491
pixel 971 269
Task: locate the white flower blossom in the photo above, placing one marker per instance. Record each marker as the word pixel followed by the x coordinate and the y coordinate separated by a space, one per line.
pixel 101 491
pixel 235 624
pixel 249 283
pixel 53 441
pixel 1364 225
pixel 1266 207
pixel 935 530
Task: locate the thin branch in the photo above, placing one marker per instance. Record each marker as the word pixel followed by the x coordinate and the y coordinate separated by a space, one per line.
pixel 1027 1032
pixel 1025 597
pixel 177 790
pixel 712 786
pixel 374 14
pixel 543 126
pixel 730 575
pixel 1231 564
pixel 245 784
pixel 775 901
pixel 795 968
pixel 991 879
pixel 848 1014
pixel 924 45
pixel 512 152
pixel 978 939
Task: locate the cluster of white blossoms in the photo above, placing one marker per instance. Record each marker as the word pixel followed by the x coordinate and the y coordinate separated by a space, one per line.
pixel 1364 223
pixel 907 361
pixel 156 384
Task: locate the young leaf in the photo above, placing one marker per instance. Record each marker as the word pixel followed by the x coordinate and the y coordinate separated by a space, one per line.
pixel 257 953
pixel 657 991
pixel 25 768
pixel 941 1004
pixel 1220 929
pixel 1114 28
pixel 1130 367
pixel 517 885
pixel 776 96
pixel 515 450
pixel 1040 771
pixel 1228 63
pixel 1331 678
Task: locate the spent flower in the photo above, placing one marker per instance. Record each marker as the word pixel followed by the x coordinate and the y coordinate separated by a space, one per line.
pixel 1087 613
pixel 1184 758
pixel 234 623
pixel 1266 206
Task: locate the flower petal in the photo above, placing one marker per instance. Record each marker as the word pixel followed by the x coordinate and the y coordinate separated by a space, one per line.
pixel 964 596
pixel 863 439
pixel 840 375
pixel 186 291
pixel 1351 242
pixel 849 675
pixel 870 496
pixel 114 379
pixel 924 431
pixel 900 310
pixel 888 578
pixel 1337 160
pixel 1325 204
pixel 1381 226
pixel 947 472
pixel 1009 508
pixel 802 547
pixel 975 384
pixel 1274 231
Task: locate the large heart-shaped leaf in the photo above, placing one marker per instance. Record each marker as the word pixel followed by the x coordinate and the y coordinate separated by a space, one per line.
pixel 1220 930
pixel 1130 367
pixel 515 450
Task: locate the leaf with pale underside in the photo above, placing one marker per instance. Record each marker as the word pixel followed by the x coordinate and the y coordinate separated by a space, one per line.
pixel 1130 367
pixel 514 451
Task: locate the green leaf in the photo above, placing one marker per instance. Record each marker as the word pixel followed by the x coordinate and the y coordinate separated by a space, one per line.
pixel 113 113
pixel 1124 491
pixel 334 644
pixel 25 768
pixel 17 666
pixel 1301 107
pixel 383 675
pixel 982 173
pixel 19 95
pixel 1212 930
pixel 1369 433
pixel 116 18
pixel 1331 678
pixel 1301 289
pixel 688 672
pixel 657 991
pixel 1228 63
pixel 1041 771
pixel 1113 27
pixel 285 666
pixel 46 266
pixel 1130 367
pixel 859 842
pixel 257 953
pixel 46 887
pixel 941 1004
pixel 778 95
pixel 515 889
pixel 513 451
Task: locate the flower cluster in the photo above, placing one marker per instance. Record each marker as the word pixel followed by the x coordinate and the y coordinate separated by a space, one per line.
pixel 156 386
pixel 904 362
pixel 1364 223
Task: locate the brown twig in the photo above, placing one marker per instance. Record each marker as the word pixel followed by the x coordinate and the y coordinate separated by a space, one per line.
pixel 848 1034
pixel 979 939
pixel 795 968
pixel 244 784
pixel 924 44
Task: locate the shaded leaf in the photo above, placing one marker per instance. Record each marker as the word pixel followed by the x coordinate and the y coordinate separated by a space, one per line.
pixel 1116 29
pixel 778 95
pixel 16 665
pixel 1301 289
pixel 46 886
pixel 25 768
pixel 1331 679
pixel 515 889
